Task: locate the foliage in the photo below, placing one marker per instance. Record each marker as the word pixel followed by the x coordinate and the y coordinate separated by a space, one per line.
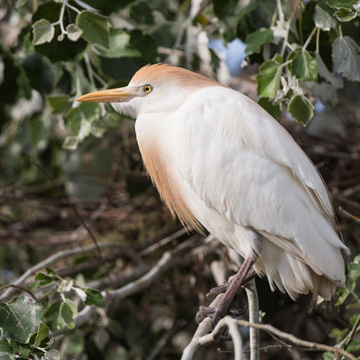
pixel 54 51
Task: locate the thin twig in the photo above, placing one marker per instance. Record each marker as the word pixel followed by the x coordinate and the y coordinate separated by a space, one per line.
pixel 19 288
pixel 51 260
pixel 294 340
pixel 77 213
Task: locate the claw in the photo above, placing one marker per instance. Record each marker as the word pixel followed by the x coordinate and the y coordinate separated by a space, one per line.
pixel 214 292
pixel 205 311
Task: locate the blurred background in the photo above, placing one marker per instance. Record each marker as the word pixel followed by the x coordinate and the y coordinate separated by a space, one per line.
pixel 71 174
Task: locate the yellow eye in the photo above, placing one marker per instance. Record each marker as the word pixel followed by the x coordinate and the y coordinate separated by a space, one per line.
pixel 147 89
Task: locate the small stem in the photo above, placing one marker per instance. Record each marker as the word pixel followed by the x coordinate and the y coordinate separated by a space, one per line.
pixel 352 332
pixel 35 6
pixel 340 31
pixel 307 42
pixel 317 40
pixel 280 10
pixel 61 18
pixel 73 8
pixel 298 2
pixel 89 70
pixel 20 288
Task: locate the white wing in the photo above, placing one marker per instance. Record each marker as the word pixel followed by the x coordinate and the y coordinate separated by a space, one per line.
pixel 244 165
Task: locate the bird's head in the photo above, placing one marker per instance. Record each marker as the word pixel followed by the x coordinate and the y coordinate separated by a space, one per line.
pixel 154 88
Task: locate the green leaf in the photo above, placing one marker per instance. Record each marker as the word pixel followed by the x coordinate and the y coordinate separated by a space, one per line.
pixel 68 312
pixel 94 297
pixel 59 103
pixel 323 19
pixel 268 78
pixel 338 334
pixel 5 347
pixel 23 349
pixel 91 111
pixel 20 318
pixel 73 120
pixel 79 119
pixel 119 45
pixel 44 279
pixel 71 143
pixel 328 356
pixel 73 32
pixel 38 140
pixel 345 15
pixel 18 3
pixel 255 40
pixel 272 109
pixel 43 32
pixel 346 57
pixel 52 315
pixel 326 74
pixel 42 333
pixel 301 109
pixel 7 356
pixel 303 65
pixel 342 4
pixel 353 346
pixel 343 294
pixel 23 83
pixel 353 273
pixel 95 28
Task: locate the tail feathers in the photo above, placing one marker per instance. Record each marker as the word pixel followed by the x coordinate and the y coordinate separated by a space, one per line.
pixel 291 275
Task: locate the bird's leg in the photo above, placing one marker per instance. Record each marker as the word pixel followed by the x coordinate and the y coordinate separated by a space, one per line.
pixel 238 280
pixel 214 292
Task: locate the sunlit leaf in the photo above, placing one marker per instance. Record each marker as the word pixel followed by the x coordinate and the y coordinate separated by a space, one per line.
pixel 345 15
pixel 20 318
pixel 71 143
pixel 323 19
pixel 95 28
pixel 68 312
pixel 58 103
pixel 43 32
pixel 94 297
pixel 255 40
pixel 341 4
pixel 268 78
pixel 119 45
pixel 73 32
pixel 303 65
pixel 346 56
pixel 301 109
pixel 41 335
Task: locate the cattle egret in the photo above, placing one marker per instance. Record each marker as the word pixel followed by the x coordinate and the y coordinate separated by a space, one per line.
pixel 221 162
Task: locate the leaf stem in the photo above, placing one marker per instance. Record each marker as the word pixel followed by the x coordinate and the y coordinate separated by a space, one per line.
pixel 307 42
pixel 317 40
pixel 340 31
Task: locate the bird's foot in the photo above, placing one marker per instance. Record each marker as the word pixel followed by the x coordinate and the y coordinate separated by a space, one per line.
pixel 214 292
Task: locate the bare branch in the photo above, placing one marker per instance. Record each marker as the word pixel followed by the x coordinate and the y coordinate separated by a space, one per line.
pixel 204 328
pixel 294 340
pixel 253 302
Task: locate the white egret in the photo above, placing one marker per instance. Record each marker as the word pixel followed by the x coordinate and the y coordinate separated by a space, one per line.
pixel 221 162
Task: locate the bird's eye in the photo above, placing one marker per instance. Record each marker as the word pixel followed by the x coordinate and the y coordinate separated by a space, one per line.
pixel 147 89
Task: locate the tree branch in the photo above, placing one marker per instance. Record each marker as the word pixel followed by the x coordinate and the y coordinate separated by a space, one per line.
pixel 253 302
